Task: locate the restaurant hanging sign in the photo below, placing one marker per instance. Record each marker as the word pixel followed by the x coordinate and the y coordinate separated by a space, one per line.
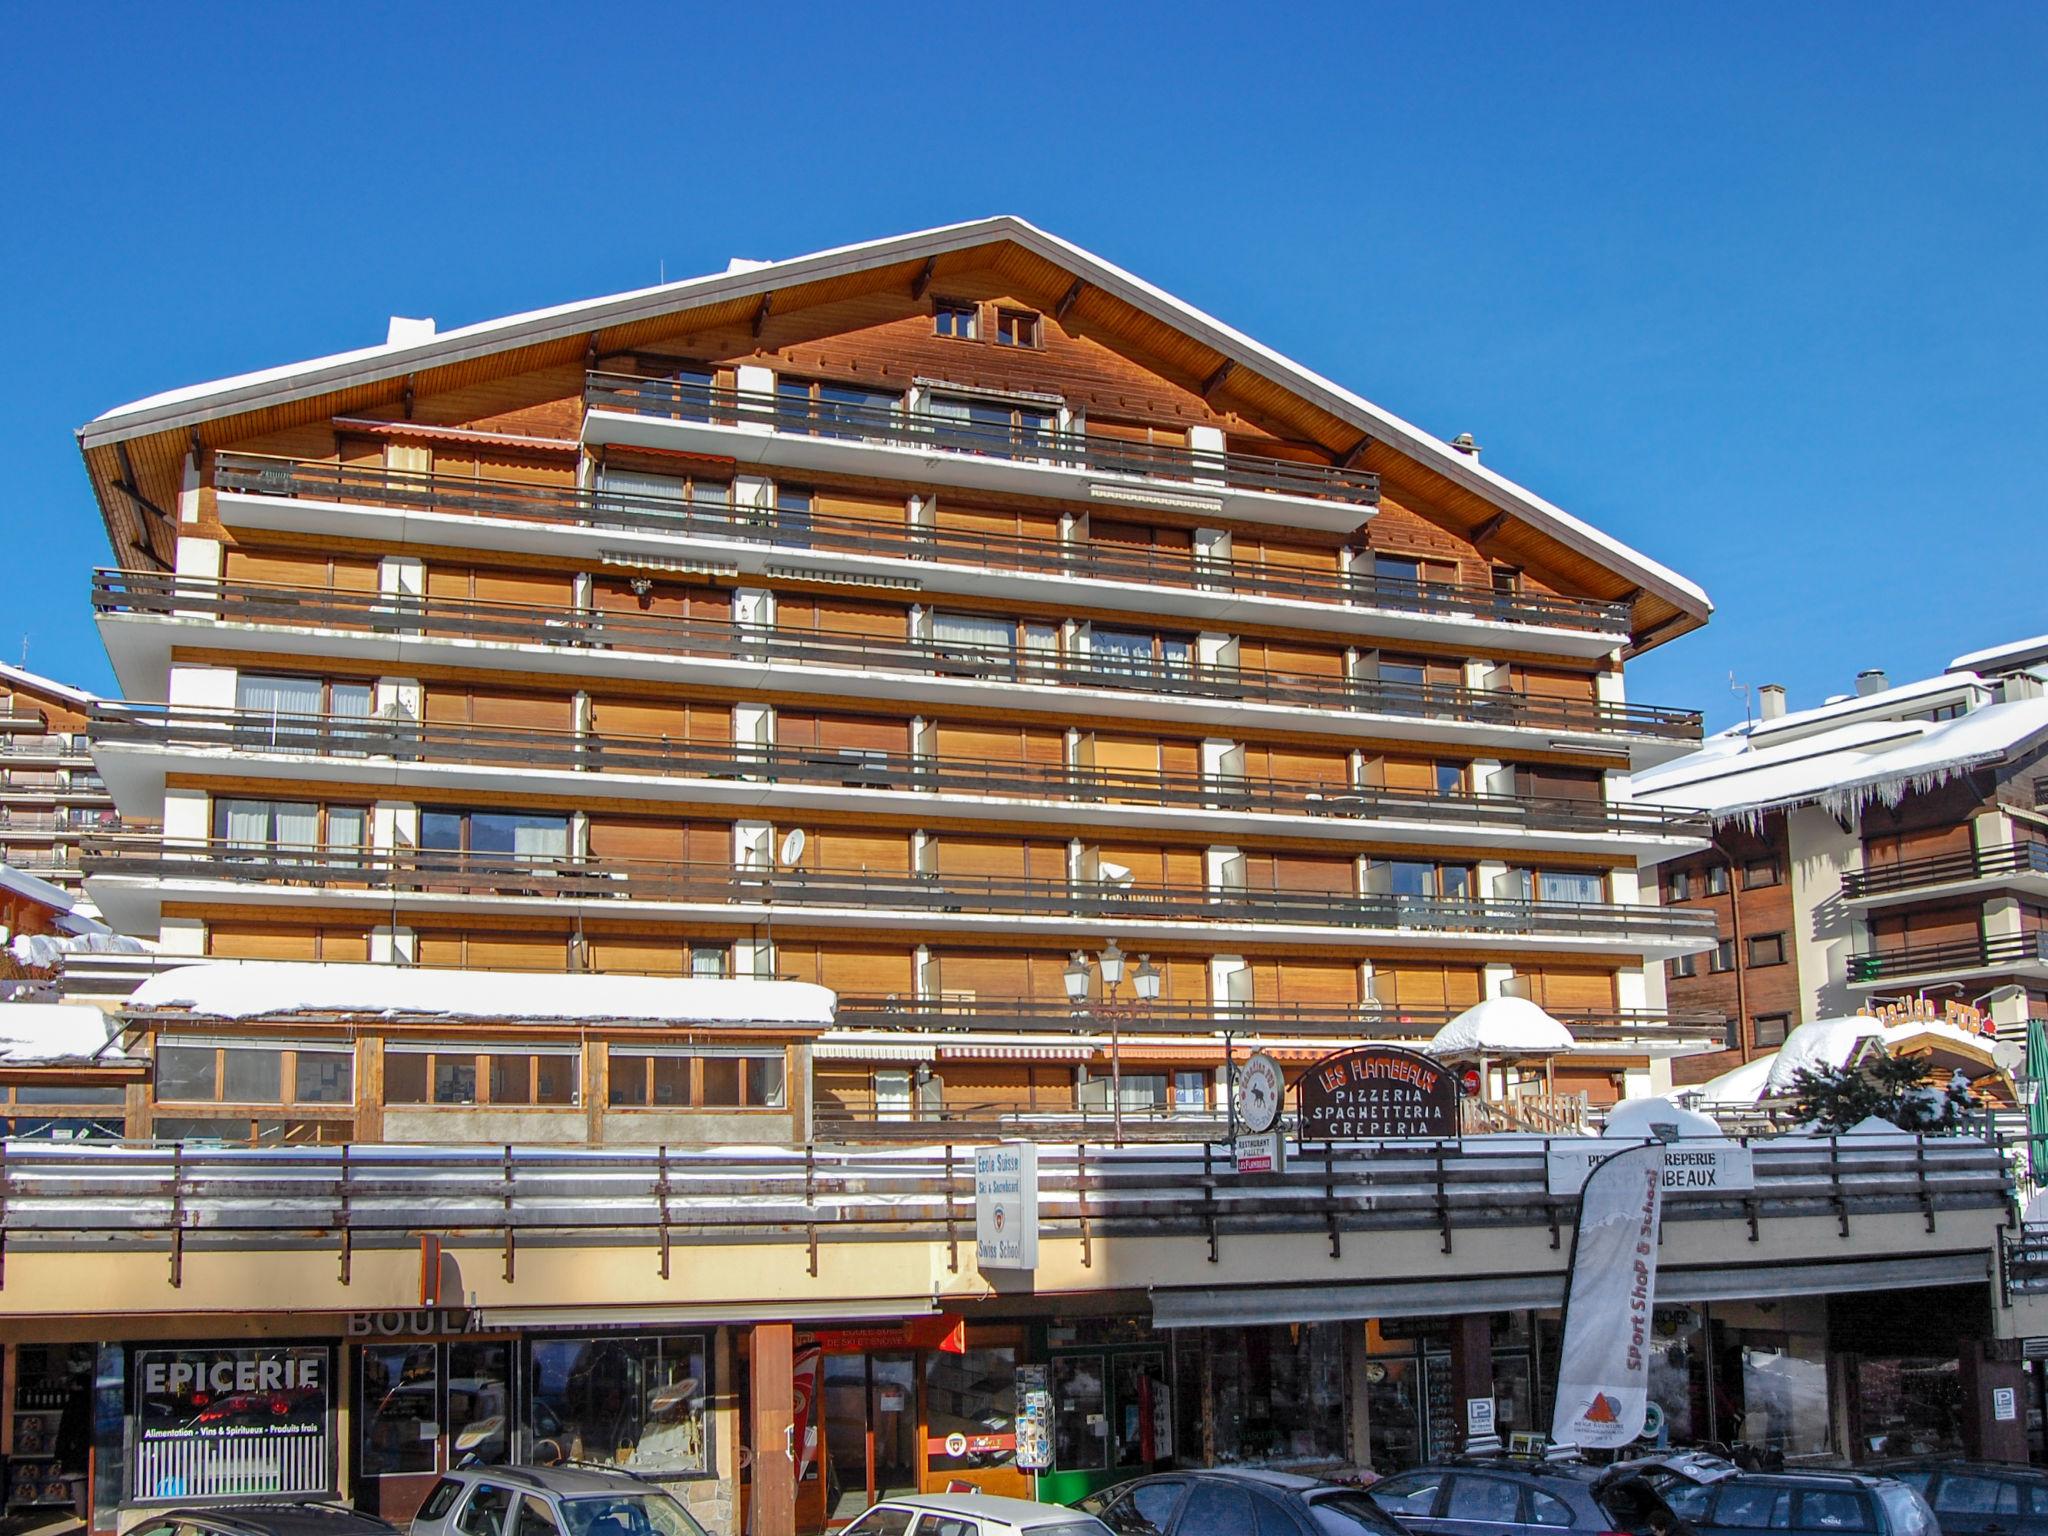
pixel 1375 1091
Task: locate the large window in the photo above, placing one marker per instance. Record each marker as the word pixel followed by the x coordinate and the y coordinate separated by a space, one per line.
pixel 1002 428
pixel 835 410
pixel 973 1395
pixel 510 834
pixel 217 1421
pixel 683 1077
pixel 293 707
pixel 640 1402
pixel 1411 877
pixel 637 495
pixel 1140 654
pixel 206 1072
pixel 1557 885
pixel 465 1075
pixel 250 826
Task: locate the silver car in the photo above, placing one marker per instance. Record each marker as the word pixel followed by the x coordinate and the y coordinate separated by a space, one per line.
pixel 550 1501
pixel 971 1514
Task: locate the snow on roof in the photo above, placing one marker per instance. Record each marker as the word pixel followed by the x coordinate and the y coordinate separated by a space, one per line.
pixel 21 677
pixel 2003 658
pixel 56 898
pixel 44 950
pixel 1742 773
pixel 51 1032
pixel 1502 1026
pixel 200 402
pixel 256 990
pixel 1744 1085
pixel 1643 1119
pixel 1824 1045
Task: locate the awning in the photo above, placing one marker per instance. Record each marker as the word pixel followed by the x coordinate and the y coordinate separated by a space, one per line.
pixel 869 1050
pixel 1016 1052
pixel 1506 1293
pixel 850 1311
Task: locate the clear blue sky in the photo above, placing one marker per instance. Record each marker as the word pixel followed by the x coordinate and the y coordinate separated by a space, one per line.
pixel 1758 289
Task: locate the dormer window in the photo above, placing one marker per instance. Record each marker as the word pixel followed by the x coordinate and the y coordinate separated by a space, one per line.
pixel 960 321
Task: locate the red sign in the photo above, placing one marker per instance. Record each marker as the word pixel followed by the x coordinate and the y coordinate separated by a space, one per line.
pixel 945 1332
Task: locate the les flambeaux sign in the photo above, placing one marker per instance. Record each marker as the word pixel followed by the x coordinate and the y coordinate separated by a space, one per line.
pixel 1375 1091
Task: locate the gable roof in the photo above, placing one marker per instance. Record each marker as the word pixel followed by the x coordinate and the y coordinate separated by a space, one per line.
pixel 34 682
pixel 187 409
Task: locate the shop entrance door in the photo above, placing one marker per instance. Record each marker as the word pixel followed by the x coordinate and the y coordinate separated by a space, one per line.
pixel 871 1439
pixel 422 1407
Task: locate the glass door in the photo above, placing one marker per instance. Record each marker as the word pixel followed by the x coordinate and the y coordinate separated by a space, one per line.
pixel 871 1431
pixel 422 1408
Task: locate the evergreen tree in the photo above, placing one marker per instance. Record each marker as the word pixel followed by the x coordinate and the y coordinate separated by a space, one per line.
pixel 1900 1089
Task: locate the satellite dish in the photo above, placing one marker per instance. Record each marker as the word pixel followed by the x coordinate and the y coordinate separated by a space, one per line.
pixel 792 845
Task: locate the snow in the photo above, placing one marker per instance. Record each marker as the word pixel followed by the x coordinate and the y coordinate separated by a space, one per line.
pixel 1502 1026
pixel 1825 1045
pixel 44 894
pixel 1641 1119
pixel 367 363
pixel 21 677
pixel 255 990
pixel 1744 1085
pixel 2003 658
pixel 44 950
pixel 45 1032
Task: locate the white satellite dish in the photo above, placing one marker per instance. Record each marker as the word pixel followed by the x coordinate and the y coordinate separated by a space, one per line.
pixel 793 846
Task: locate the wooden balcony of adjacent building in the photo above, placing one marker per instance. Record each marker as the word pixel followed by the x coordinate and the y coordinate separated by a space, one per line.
pixel 2019 866
pixel 389 505
pixel 131 876
pixel 368 625
pixel 139 744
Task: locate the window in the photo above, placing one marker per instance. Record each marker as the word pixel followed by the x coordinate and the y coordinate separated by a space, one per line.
pixel 834 410
pixel 793 514
pixel 881 1522
pixel 1767 949
pixel 1016 328
pixel 1722 957
pixel 1190 1092
pixel 636 496
pixel 1556 885
pixel 713 960
pixel 534 1519
pixel 1678 885
pixel 465 1076
pixel 957 319
pixel 1146 1510
pixel 515 834
pixel 1483 1498
pixel 973 632
pixel 1410 877
pixel 256 825
pixel 1450 778
pixel 484 1514
pixel 1834 1510
pixel 1717 879
pixel 293 707
pixel 679 1077
pixel 1001 428
pixel 948 1525
pixel 438 1501
pixel 1685 965
pixel 1753 1508
pixel 1413 1494
pixel 641 1402
pixel 1130 653
pixel 1507 581
pixel 1216 1509
pixel 1545 1509
pixel 1758 873
pixel 199 1072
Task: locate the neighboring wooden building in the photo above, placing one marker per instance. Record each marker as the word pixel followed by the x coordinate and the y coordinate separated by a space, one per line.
pixel 50 795
pixel 1050 611
pixel 1886 846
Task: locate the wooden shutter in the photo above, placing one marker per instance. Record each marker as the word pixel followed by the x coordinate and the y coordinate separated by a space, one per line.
pixel 1307 872
pixel 860 972
pixel 615 594
pixel 1553 783
pixel 1316 981
pixel 984 973
pixel 842 851
pixel 533 588
pixel 974 857
pixel 261 941
pixel 277 569
pixel 862 733
pixel 640 719
pixel 530 711
pixel 1551 683
pixel 1297 765
pixel 1126 754
pixel 644 956
pixel 867 509
pixel 1568 988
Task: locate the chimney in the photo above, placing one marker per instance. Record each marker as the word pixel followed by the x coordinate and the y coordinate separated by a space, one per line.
pixel 1770 699
pixel 1871 680
pixel 1466 445
pixel 405 333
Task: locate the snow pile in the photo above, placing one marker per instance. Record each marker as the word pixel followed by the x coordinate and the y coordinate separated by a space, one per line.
pixel 1502 1026
pixel 48 1032
pixel 43 951
pixel 1825 1045
pixel 1645 1119
pixel 1745 1085
pixel 258 990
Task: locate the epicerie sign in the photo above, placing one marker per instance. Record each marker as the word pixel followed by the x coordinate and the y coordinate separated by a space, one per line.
pixel 1006 1206
pixel 180 1374
pixel 1697 1168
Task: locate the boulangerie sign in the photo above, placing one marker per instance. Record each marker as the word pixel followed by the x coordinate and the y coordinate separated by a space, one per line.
pixel 1603 1369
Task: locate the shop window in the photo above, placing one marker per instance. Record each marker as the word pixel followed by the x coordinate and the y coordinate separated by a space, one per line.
pixel 973 1394
pixel 1279 1394
pixel 191 1072
pixel 269 1410
pixel 638 1402
pixel 1910 1406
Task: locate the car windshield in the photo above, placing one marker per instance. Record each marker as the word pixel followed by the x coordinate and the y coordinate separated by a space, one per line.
pixel 1350 1514
pixel 628 1514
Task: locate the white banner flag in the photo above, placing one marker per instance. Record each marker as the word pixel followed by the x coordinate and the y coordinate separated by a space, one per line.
pixel 1603 1369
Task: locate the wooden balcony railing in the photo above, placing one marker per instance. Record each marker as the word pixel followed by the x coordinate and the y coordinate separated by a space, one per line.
pixel 550 879
pixel 1985 954
pixel 152 593
pixel 1945 869
pixel 374 485
pixel 330 736
pixel 684 400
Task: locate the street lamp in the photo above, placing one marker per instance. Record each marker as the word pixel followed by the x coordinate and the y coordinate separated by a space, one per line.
pixel 1146 978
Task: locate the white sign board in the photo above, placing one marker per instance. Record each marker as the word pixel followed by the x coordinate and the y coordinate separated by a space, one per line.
pixel 1257 1154
pixel 1690 1167
pixel 2005 1403
pixel 1478 1418
pixel 1006 1206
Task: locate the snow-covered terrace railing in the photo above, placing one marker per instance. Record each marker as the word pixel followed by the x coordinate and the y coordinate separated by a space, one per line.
pixel 77 1196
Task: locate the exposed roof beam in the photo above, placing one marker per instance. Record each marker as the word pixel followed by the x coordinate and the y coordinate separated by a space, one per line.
pixel 1215 380
pixel 1067 299
pixel 1489 528
pixel 921 284
pixel 1350 460
pixel 761 313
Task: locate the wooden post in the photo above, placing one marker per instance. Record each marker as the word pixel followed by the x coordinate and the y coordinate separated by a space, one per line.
pixel 773 1386
pixel 1471 1367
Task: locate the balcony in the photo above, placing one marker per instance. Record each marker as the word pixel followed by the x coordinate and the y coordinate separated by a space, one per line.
pixel 2018 865
pixel 884 442
pixel 132 875
pixel 958 559
pixel 2020 954
pixel 757 656
pixel 811 777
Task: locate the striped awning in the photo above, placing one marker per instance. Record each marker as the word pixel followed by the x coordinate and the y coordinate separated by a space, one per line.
pixel 1016 1052
pixel 870 1050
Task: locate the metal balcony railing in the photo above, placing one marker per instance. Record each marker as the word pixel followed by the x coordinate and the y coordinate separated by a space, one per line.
pixel 1945 869
pixel 1026 442
pixel 374 485
pixel 256 732
pixel 151 593
pixel 15 819
pixel 97 1197
pixel 427 871
pixel 1983 954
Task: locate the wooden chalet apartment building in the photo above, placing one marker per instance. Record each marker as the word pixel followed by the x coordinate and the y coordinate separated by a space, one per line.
pixel 1050 611
pixel 50 795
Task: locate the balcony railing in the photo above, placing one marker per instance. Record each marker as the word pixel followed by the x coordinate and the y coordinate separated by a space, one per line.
pixel 142 592
pixel 257 732
pixel 1945 869
pixel 372 484
pixel 15 819
pixel 553 879
pixel 1992 954
pixel 1380 1021
pixel 683 400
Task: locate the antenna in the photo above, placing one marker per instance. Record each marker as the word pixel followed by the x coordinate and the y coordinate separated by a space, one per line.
pixel 1742 689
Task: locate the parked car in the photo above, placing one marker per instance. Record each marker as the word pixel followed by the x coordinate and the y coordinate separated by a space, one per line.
pixel 1978 1498
pixel 549 1501
pixel 283 1519
pixel 1501 1497
pixel 1803 1503
pixel 1238 1501
pixel 971 1514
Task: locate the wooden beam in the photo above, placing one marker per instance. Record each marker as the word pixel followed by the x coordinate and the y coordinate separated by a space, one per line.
pixel 1067 299
pixel 761 313
pixel 1215 380
pixel 1489 528
pixel 1350 460
pixel 921 284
